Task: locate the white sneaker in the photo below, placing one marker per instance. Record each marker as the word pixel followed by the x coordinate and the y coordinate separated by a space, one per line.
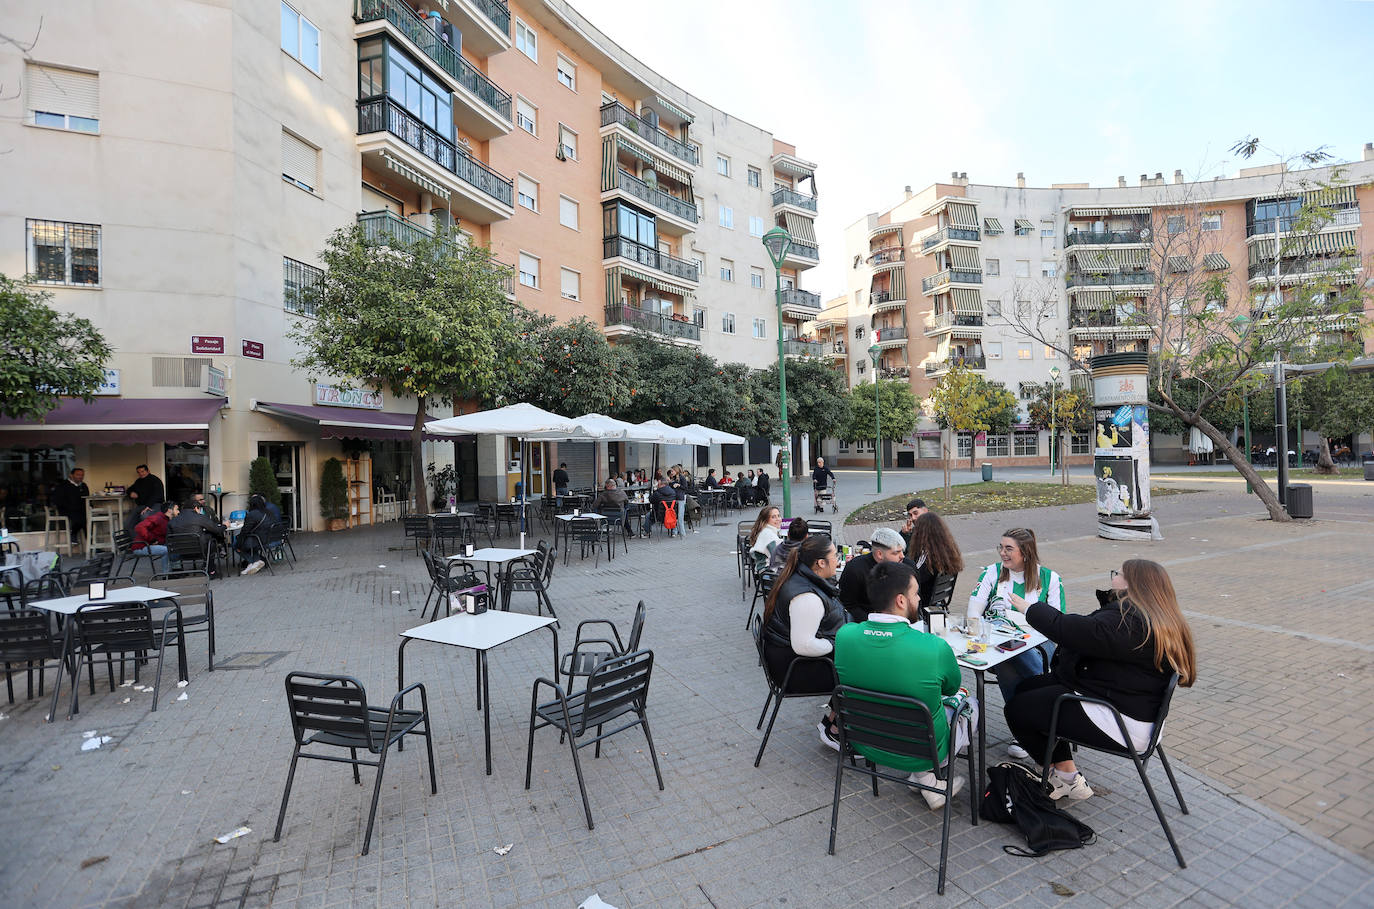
pixel 1016 752
pixel 936 800
pixel 827 739
pixel 257 566
pixel 1074 791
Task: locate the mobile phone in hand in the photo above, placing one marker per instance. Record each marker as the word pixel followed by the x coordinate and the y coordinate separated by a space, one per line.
pixel 1009 646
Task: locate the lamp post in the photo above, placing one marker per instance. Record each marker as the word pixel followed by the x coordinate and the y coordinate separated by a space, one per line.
pixel 777 242
pixel 875 354
pixel 1054 415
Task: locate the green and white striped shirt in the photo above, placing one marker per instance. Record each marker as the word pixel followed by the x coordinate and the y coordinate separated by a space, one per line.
pixel 1051 589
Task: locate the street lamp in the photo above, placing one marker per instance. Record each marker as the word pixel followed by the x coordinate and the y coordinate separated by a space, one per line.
pixel 778 241
pixel 1054 377
pixel 875 354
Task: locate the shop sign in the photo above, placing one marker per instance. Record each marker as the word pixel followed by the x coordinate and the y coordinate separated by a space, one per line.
pixel 329 396
pixel 207 344
pixel 110 385
pixel 1109 391
pixel 252 349
pixel 216 382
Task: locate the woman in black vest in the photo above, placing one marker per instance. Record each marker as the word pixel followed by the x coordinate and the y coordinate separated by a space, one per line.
pixel 801 616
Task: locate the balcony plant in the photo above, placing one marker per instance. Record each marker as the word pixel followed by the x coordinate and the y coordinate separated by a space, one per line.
pixel 333 495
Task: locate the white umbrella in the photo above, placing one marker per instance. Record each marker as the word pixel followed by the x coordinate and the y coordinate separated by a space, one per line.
pixel 663 434
pixel 716 436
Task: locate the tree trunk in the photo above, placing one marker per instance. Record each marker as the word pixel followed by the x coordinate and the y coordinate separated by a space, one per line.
pixel 417 458
pixel 1243 467
pixel 945 463
pixel 1324 462
pixel 1063 461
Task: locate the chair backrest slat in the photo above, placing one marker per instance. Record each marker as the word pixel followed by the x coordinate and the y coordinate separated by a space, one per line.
pixel 636 629
pixel 942 592
pixel 127 626
pixel 24 632
pixel 617 683
pixel 892 723
pixel 332 704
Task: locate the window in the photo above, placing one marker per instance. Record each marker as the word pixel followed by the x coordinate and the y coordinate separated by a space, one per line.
pixel 526 115
pixel 963 445
pixel 528 192
pixel 1024 352
pixel 1026 391
pixel 699 264
pixel 567 142
pixel 63 98
pixel 993 266
pixel 1080 444
pixel 529 270
pixel 992 308
pixel 300 162
pixel 1048 268
pixel 756 278
pixel 1046 228
pixel 727 217
pixel 859 332
pixel 723 165
pixel 699 317
pixel 301 287
pixel 1023 228
pixel 63 252
pixel 1176 224
pixel 755 177
pixel 1026 444
pixel 1211 221
pixel 570 283
pixel 998 445
pixel 567 72
pixel 1023 268
pixel 727 269
pixel 755 226
pixel 526 41
pixel 760 328
pixel 696 153
pixel 300 38
pixel 1051 353
pixel 383 67
pixel 727 323
pixel 993 349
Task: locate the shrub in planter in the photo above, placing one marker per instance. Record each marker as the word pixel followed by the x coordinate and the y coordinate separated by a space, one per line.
pixel 262 480
pixel 333 494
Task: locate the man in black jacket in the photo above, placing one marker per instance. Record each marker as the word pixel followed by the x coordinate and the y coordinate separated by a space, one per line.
pixel 193 519
pixel 69 498
pixel 147 490
pixel 887 546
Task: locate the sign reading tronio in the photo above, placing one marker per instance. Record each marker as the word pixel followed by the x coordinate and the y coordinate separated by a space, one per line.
pixel 329 396
pixel 1121 450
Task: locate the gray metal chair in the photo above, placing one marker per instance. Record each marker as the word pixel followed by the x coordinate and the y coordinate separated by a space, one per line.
pixel 582 663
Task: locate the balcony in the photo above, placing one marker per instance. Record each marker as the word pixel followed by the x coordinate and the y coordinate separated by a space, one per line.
pixel 481 108
pixel 640 254
pixel 386 228
pixel 481 194
pixel 682 216
pixel 890 336
pixel 894 372
pixel 931 285
pixel 970 361
pixel 838 350
pixel 801 255
pixel 795 347
pixel 614 114
pixel 891 255
pixel 803 302
pixel 884 300
pixel 622 318
pixel 944 235
pixel 1110 279
pixel 1339 270
pixel 784 196
pixel 948 321
pixel 1106 323
pixel 1107 238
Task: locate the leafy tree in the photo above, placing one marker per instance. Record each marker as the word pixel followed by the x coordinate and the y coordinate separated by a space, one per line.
pixel 262 480
pixel 898 410
pixel 1336 403
pixel 1063 410
pixel 426 319
pixel 963 401
pixel 679 384
pixel 570 368
pixel 817 399
pixel 46 354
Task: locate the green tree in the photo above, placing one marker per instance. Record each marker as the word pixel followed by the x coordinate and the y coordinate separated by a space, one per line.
pixel 46 354
pixel 898 410
pixel 817 399
pixel 569 369
pixel 333 490
pixel 1065 411
pixel 426 319
pixel 963 401
pixel 1336 403
pixel 262 480
pixel 679 384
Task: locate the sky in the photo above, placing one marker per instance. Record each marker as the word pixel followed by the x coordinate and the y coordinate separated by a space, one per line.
pixel 882 94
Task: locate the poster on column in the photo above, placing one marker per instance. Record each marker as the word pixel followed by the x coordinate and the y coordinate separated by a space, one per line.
pixel 1122 459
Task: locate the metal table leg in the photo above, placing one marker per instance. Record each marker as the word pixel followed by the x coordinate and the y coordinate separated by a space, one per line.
pixel 982 744
pixel 486 714
pixel 401 680
pixel 62 663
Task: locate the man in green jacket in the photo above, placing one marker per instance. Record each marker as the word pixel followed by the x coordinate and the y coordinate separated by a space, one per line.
pixel 887 654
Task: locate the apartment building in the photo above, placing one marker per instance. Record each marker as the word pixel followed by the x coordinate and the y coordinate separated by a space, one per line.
pixel 943 272
pixel 175 167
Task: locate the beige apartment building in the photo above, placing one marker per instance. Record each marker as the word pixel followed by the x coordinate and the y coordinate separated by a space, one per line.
pixel 174 168
pixel 938 276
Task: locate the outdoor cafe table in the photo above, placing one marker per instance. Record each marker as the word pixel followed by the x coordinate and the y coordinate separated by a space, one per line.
pixel 499 557
pixel 567 520
pixel 479 633
pixel 68 606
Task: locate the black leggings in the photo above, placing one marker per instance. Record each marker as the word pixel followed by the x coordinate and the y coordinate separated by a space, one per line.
pixel 1028 717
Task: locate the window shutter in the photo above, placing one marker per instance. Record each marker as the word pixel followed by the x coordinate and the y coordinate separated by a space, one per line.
pixel 570 283
pixel 299 161
pixel 63 91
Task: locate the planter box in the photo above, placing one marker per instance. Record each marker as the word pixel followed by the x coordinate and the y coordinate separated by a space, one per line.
pixel 336 524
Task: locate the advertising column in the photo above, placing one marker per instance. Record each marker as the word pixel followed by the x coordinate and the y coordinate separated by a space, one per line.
pixel 1121 450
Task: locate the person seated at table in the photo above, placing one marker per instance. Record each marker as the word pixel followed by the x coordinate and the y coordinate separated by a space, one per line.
pixel 761 486
pixel 150 534
pixel 885 653
pixel 914 509
pixel 611 502
pixel 764 536
pixel 711 481
pixel 660 499
pixel 933 551
pixel 193 519
pixel 199 499
pixel 886 546
pixel 1124 653
pixel 744 490
pixel 800 619
pixel 146 491
pixel 796 533
pixel 1018 575
pixel 618 479
pixel 255 524
pixel 69 498
pixel 726 479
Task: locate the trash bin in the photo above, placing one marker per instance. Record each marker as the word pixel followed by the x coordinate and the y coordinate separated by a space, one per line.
pixel 987 473
pixel 1300 500
pixel 1369 470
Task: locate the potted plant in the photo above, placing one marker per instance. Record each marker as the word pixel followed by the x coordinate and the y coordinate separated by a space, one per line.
pixel 262 480
pixel 334 495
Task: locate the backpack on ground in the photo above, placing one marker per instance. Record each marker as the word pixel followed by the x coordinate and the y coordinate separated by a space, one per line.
pixel 1014 796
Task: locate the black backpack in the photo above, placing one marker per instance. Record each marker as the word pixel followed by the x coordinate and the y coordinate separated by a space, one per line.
pixel 1014 797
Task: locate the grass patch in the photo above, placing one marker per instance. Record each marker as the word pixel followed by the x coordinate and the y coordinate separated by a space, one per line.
pixel 1294 473
pixel 981 498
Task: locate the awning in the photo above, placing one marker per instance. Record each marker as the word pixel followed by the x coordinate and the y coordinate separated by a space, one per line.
pixel 884 229
pixel 961 214
pixel 116 421
pixel 348 422
pixel 1088 212
pixel 1130 258
pixel 673 109
pixel 966 258
pixel 1133 210
pixel 414 176
pixel 614 274
pixel 1329 243
pixel 1093 260
pixel 1321 244
pixel 1094 299
pixel 1023 224
pixel 967 300
pixel 1331 195
pixel 897 283
pixel 992 226
pixel 1179 264
pixel 660 165
pixel 801 229
pixel 1215 262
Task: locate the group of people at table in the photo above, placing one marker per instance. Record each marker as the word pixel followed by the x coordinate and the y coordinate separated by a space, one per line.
pixel 865 627
pixel 676 490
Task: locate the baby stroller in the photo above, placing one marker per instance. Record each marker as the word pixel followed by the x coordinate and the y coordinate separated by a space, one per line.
pixel 825 495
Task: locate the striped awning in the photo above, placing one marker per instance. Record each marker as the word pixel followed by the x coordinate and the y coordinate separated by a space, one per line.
pixel 897 283
pixel 965 257
pixel 967 300
pixel 801 229
pixel 1023 224
pixel 618 272
pixel 1088 212
pixel 1129 258
pixel 1338 241
pixel 1321 244
pixel 961 214
pixel 992 226
pixel 1133 210
pixel 1330 195
pixel 1093 260
pixel 1094 299
pixel 414 176
pixel 1261 250
pixel 673 109
pixel 660 165
pixel 1215 262
pixel 884 229
pixel 1180 264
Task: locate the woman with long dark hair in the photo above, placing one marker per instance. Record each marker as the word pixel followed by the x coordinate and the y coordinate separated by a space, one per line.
pixel 933 550
pixel 765 534
pixel 1123 653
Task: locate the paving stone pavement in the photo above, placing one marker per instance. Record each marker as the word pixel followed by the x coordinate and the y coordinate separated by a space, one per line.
pixel 141 812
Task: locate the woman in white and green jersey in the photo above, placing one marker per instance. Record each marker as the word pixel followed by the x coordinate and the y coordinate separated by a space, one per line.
pixel 1018 575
